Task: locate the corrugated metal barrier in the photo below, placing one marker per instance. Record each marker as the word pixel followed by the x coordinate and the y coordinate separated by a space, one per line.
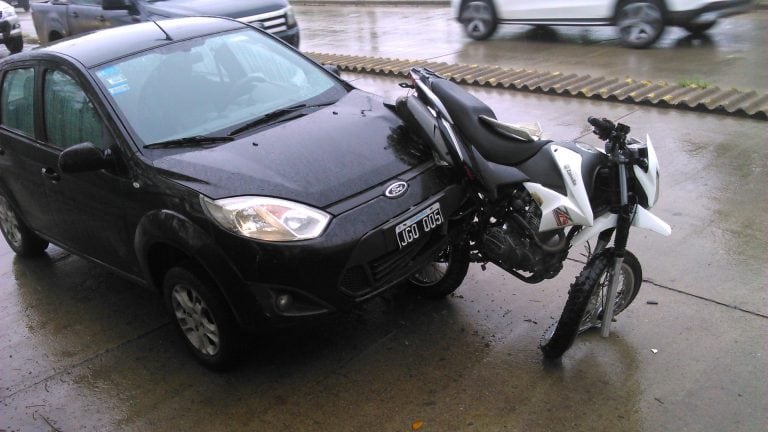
pixel 710 99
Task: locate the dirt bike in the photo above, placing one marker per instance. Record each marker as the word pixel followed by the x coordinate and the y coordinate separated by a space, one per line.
pixel 530 200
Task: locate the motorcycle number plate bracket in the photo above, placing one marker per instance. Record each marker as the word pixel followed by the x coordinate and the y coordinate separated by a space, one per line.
pixel 419 224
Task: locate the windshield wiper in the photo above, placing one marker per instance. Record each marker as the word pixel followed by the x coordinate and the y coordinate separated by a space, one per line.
pixel 189 141
pixel 274 115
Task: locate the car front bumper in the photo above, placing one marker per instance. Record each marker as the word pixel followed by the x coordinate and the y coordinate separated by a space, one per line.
pixel 357 258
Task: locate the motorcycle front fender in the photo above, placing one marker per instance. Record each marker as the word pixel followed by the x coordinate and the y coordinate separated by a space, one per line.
pixel 641 219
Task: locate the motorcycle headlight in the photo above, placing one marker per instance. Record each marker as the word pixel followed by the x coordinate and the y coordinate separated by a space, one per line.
pixel 269 219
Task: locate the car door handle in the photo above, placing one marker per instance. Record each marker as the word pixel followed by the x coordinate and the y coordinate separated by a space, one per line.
pixel 50 174
pixel 75 14
pixel 101 18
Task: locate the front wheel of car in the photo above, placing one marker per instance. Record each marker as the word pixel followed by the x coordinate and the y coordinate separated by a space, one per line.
pixel 19 236
pixel 15 44
pixel 443 275
pixel 202 317
pixel 640 23
pixel 479 19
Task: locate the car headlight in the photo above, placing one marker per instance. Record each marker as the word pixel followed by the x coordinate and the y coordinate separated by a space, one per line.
pixel 269 219
pixel 290 17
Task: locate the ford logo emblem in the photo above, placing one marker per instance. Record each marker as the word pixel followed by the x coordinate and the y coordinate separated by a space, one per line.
pixel 396 189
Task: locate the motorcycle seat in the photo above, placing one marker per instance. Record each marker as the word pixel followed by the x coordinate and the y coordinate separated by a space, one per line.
pixel 493 144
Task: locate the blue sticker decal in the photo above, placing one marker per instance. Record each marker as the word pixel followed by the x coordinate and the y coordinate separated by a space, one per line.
pixel 116 90
pixel 114 79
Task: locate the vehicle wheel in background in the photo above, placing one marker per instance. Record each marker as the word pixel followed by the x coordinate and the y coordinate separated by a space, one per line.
pixel 699 28
pixel 18 235
pixel 203 317
pixel 443 275
pixel 479 19
pixel 15 44
pixel 640 23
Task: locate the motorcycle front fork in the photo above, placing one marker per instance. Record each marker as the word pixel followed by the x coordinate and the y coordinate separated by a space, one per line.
pixel 619 247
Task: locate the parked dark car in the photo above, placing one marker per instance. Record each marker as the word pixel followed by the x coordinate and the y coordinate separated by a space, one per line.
pixel 56 19
pixel 208 160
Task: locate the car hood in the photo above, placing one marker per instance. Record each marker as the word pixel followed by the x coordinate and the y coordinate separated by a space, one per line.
pixel 318 159
pixel 228 8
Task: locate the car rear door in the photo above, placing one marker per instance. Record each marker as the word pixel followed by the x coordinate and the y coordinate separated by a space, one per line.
pixel 23 158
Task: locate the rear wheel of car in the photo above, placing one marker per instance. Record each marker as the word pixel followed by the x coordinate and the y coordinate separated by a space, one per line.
pixel 479 19
pixel 15 44
pixel 699 28
pixel 640 23
pixel 20 238
pixel 202 317
pixel 443 275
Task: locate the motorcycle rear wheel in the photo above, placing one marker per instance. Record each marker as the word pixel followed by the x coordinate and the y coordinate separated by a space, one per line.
pixel 443 275
pixel 586 300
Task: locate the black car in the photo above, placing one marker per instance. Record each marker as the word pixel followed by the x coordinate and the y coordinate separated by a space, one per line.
pixel 213 162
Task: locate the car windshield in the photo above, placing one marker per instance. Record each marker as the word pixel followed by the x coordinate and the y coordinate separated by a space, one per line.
pixel 212 85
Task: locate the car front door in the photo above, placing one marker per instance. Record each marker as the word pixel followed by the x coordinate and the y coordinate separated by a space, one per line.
pixel 90 205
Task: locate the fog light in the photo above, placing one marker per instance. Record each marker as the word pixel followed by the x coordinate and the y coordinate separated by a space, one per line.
pixel 284 302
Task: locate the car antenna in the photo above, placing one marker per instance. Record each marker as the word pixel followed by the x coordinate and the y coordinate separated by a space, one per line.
pixel 167 36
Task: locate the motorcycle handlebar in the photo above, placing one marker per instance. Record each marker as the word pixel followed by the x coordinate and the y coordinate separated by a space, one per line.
pixel 602 126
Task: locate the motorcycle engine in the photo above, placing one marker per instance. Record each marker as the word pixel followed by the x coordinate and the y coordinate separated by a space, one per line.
pixel 510 243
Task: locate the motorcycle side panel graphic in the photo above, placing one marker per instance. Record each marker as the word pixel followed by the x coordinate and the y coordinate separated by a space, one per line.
pixel 558 211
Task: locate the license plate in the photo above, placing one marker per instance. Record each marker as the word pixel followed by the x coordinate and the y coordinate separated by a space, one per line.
pixel 418 225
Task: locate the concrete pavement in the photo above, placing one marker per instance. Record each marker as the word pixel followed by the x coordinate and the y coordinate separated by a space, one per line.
pixel 81 349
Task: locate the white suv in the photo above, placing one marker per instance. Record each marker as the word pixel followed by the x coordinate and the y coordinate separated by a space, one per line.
pixel 640 22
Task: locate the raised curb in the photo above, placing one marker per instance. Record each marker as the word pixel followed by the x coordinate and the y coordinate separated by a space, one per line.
pixel 629 90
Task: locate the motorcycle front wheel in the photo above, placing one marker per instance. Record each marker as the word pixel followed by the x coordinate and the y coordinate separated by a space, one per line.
pixel 443 275
pixel 587 300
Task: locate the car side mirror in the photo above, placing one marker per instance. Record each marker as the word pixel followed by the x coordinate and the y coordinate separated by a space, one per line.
pixel 126 5
pixel 334 69
pixel 84 157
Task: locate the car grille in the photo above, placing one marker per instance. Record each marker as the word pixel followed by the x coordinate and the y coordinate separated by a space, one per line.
pixel 272 22
pixel 363 280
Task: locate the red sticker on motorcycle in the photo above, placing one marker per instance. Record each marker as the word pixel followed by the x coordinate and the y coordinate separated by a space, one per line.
pixel 562 217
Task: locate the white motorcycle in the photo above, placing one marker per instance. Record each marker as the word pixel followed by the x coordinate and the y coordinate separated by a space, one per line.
pixel 530 200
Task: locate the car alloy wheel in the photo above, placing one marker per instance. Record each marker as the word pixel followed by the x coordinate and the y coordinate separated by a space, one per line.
pixel 9 223
pixel 479 20
pixel 195 319
pixel 640 23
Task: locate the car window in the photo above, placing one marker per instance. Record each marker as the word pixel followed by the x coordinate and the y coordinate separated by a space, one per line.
pixel 70 117
pixel 212 84
pixel 16 102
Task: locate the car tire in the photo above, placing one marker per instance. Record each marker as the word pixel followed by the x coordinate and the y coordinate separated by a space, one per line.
pixel 479 19
pixel 443 275
pixel 640 23
pixel 202 317
pixel 699 28
pixel 15 44
pixel 19 236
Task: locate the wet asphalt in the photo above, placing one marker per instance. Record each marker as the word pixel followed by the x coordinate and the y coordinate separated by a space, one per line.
pixel 81 349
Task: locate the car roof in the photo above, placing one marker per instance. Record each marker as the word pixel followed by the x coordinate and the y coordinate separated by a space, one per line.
pixel 103 46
